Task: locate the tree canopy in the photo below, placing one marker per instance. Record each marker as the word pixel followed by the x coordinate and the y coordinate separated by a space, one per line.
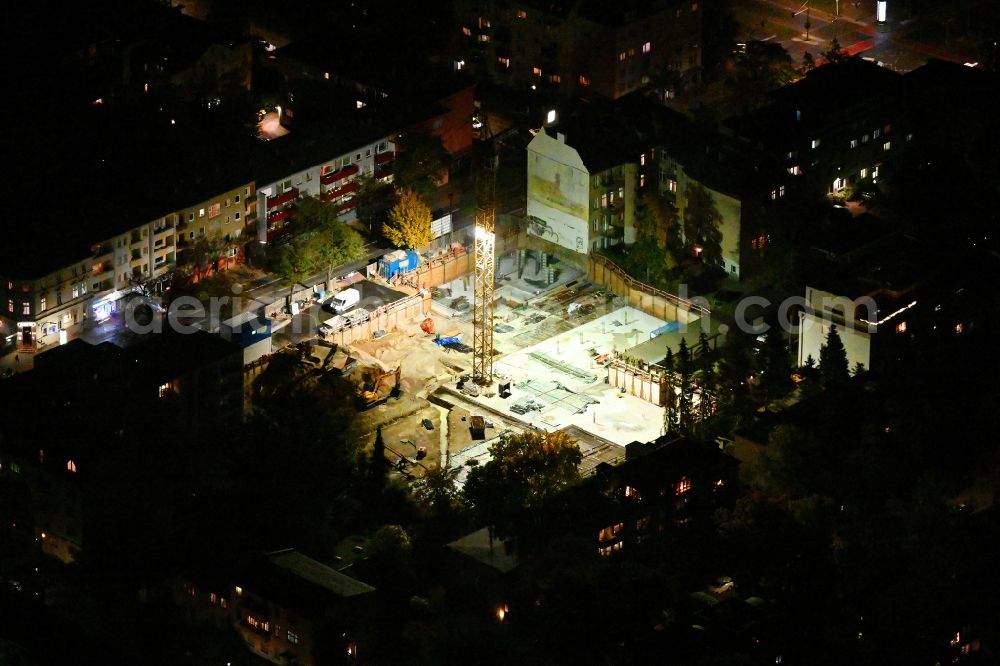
pixel 524 469
pixel 421 162
pixel 702 222
pixel 409 223
pixel 320 242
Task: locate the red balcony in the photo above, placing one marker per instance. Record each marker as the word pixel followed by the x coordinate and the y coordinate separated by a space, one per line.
pixel 349 188
pixel 280 216
pixel 279 199
pixel 346 206
pixel 332 177
pixel 384 158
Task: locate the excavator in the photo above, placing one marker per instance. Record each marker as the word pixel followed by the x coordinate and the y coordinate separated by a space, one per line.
pixel 368 391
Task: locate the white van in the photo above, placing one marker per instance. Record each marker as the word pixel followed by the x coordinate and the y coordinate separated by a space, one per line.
pixel 331 324
pixel 344 301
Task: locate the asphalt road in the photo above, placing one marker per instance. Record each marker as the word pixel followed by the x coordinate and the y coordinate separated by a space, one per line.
pixel 900 44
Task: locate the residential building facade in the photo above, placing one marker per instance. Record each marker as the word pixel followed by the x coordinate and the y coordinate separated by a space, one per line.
pixel 583 47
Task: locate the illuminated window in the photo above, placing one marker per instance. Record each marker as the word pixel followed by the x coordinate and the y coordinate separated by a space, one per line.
pixel 887 145
pixel 901 327
pixel 774 194
pixel 864 174
pixel 682 486
pixel 814 144
pixel 483 39
pixel 10 303
pixel 875 171
pixel 214 598
pixel 504 61
pixel 957 639
pixel 671 185
pixel 854 143
pixel 41 455
pixel 521 14
pixel 223 603
pixel 876 134
pixel 467 31
pixel 795 170
pixel 647 47
pixel 632 492
pixel 239 591
pixel 621 56
pixel 839 184
pixel 959 328
pixel 537 71
pixel 584 81
pixel 606 551
pixel 484 23
pixel 71 466
pixel 642 180
pixel 25 308
pixel 42 304
pixel 555 78
pixel 293 638
pixel 642 159
pixel 263 625
pixel 201 212
pixel 604 200
pixel 781 190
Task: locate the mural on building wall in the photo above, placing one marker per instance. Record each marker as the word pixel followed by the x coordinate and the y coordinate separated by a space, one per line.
pixel 559 187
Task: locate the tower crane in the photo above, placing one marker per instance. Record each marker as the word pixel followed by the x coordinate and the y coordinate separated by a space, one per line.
pixel 485 260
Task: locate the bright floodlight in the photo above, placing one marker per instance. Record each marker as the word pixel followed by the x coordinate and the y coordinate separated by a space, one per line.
pixel 550 117
pixel 880 11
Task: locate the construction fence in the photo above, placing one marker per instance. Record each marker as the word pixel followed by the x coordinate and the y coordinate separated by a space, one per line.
pixel 641 296
pixel 383 320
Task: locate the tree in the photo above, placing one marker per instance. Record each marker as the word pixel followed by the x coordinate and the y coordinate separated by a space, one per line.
pixel 776 364
pixel 761 68
pixel 685 402
pixel 833 368
pixel 374 198
pixel 390 559
pixel 409 223
pixel 421 162
pixel 701 225
pixel 836 53
pixel 319 241
pixel 808 62
pixel 670 416
pixel 706 380
pixel 524 470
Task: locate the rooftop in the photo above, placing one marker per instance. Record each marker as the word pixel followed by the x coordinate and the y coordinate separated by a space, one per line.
pixel 318 573
pixel 493 553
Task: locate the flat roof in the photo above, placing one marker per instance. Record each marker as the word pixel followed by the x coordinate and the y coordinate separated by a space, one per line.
pixel 318 573
pixel 477 545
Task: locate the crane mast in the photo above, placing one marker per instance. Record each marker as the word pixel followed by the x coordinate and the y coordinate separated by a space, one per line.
pixel 484 280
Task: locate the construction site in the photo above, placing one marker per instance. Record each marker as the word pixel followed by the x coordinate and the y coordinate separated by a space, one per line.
pixel 561 360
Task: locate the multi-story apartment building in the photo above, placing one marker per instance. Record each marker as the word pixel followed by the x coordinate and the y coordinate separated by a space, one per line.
pixel 288 607
pixel 333 181
pixel 577 199
pixel 583 185
pixel 579 47
pixel 833 129
pixel 224 221
pixel 65 421
pixel 50 286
